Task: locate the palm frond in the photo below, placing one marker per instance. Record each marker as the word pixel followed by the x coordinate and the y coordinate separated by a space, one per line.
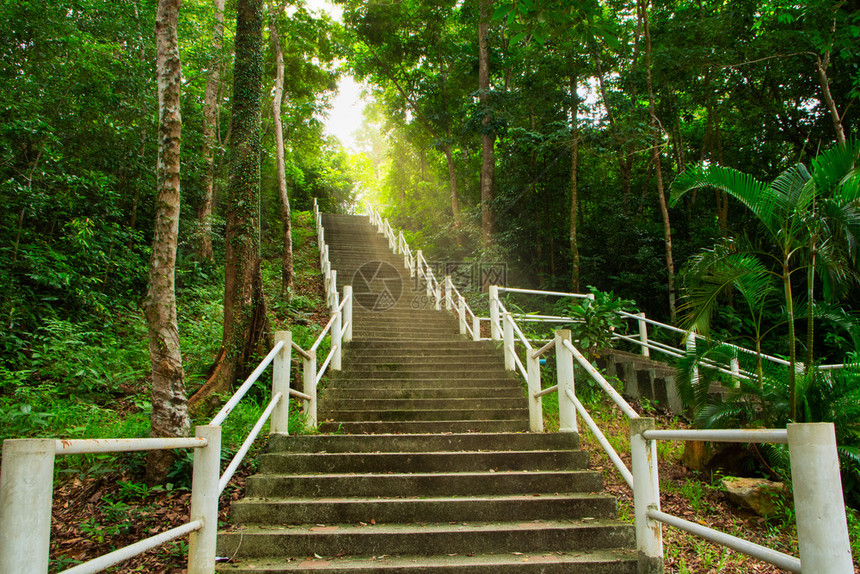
pixel 755 195
pixel 835 170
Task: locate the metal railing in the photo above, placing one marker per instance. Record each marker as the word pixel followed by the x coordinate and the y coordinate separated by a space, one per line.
pixel 26 478
pixel 822 528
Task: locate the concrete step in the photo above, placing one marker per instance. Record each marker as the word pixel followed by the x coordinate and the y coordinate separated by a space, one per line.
pixel 368 392
pixel 519 424
pixel 425 373
pixel 420 462
pixel 594 562
pixel 345 382
pixel 445 414
pixel 423 442
pixel 422 510
pixel 330 404
pixel 411 365
pixel 423 484
pixel 442 346
pixel 425 539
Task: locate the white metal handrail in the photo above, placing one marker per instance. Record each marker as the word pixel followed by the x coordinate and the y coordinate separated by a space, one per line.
pixel 814 466
pixel 602 440
pixel 26 484
pixel 815 479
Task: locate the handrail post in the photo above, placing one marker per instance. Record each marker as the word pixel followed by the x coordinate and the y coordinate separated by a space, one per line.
pixel 337 335
pixel 26 492
pixel 495 331
pixel 476 328
pixel 437 294
pixel 281 383
pixel 509 341
pixel 333 291
pixel 448 299
pixel 535 402
pixel 646 496
pixel 347 313
pixel 822 530
pixel 735 367
pixel 309 387
pixel 690 345
pixel 564 367
pixel 461 313
pixel 204 500
pixel 643 335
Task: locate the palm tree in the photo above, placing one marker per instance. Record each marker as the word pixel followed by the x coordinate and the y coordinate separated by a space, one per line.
pixel 801 213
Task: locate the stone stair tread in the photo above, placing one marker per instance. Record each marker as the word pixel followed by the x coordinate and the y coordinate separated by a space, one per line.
pixel 551 496
pixel 594 562
pixel 384 530
pixel 418 442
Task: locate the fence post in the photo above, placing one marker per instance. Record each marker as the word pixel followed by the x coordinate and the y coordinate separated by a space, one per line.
pixel 449 299
pixel 535 403
pixel 461 313
pixel 643 334
pixel 564 367
pixel 690 345
pixel 735 366
pixel 476 328
pixel 309 387
pixel 281 383
pixel 204 501
pixel 337 335
pixel 437 294
pixel 347 313
pixel 335 299
pixel 646 496
pixel 495 331
pixel 26 492
pixel 822 530
pixel 508 341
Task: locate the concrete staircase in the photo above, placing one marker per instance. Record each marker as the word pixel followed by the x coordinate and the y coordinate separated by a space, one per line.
pixel 434 472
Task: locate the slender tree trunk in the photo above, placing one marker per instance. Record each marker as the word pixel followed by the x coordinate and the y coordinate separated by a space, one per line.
pixel 245 320
pixel 488 137
pixel 169 415
pixel 277 99
pixel 210 137
pixel 624 154
pixel 658 170
pixel 821 70
pixel 452 180
pixel 574 195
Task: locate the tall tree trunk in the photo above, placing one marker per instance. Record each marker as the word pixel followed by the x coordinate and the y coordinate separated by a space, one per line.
pixel 287 255
pixel 821 70
pixel 488 137
pixel 244 308
pixel 210 137
pixel 658 170
pixel 452 180
pixel 574 192
pixel 169 415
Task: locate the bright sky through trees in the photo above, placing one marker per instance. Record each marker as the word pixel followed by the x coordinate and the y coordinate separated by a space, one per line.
pixel 347 111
